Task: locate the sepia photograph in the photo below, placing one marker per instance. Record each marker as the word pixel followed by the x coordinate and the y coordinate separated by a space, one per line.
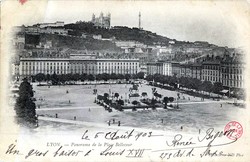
pixel 124 80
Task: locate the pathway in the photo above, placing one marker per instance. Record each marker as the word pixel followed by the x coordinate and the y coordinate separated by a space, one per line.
pixel 68 108
pixel 98 107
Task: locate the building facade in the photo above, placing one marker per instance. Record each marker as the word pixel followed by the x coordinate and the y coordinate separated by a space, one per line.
pixel 33 66
pixel 151 68
pixel 176 70
pixel 82 63
pixel 232 72
pixel 77 64
pixel 118 66
pixel 185 70
pixel 102 21
pixel 211 71
pixel 196 71
pixel 163 68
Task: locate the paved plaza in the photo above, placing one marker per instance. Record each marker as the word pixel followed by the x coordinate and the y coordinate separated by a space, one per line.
pixel 77 106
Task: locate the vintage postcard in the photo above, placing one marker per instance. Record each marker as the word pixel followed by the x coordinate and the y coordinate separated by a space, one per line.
pixel 124 80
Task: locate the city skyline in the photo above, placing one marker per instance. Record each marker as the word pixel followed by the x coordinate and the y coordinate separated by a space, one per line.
pixel 171 19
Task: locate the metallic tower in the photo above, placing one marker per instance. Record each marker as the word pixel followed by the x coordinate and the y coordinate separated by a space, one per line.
pixel 139 20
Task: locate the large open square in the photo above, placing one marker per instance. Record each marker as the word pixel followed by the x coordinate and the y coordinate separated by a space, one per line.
pixel 78 104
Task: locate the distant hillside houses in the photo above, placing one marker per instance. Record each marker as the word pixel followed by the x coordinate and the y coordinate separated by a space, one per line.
pixel 49 28
pixel 55 24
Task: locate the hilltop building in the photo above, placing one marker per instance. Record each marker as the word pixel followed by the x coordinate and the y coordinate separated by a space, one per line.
pixel 102 21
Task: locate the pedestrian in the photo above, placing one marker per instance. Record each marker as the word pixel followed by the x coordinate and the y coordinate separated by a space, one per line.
pixel 109 122
pixel 119 123
pixel 113 121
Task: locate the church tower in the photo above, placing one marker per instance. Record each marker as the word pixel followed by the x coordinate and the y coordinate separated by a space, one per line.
pixel 93 18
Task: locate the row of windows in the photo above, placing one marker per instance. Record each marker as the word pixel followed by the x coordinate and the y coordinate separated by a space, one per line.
pixel 211 67
pixel 211 72
pixel 227 70
pixel 81 63
pixel 237 77
pixel 210 78
pixel 39 67
pixel 231 83
pixel 117 63
pixel 34 72
pixel 48 63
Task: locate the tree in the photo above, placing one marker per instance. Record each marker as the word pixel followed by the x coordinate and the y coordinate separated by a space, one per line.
pixel 207 86
pixel 47 78
pixel 75 77
pixel 40 77
pixel 116 95
pixel 171 99
pixel 144 94
pixel 105 76
pixel 127 77
pixel 106 95
pixel 113 76
pixel 120 76
pixel 83 77
pixel 54 79
pixel 153 102
pixel 140 75
pixel 197 84
pixel 62 78
pixel 135 102
pixel 218 87
pixel 98 77
pixel 157 95
pixel 120 102
pixel 91 77
pixel 135 87
pixel 149 78
pixel 165 100
pixel 68 77
pixel 173 81
pixel 25 107
pixel 183 81
pixel 100 97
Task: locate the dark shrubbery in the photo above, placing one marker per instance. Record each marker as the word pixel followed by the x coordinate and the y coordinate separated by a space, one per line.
pixel 25 107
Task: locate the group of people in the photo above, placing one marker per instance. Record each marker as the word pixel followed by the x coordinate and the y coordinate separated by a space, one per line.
pixel 119 122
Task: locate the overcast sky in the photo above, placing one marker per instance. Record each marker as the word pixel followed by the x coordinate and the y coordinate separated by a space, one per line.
pixel 217 23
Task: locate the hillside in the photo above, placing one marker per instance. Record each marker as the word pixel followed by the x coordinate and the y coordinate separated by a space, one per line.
pixel 72 42
pixel 119 32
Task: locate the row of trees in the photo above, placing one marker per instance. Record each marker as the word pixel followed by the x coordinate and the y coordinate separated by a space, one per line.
pixel 189 83
pixel 62 78
pixel 25 107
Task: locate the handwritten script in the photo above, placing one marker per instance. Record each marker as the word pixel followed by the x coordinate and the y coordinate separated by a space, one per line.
pixel 133 144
